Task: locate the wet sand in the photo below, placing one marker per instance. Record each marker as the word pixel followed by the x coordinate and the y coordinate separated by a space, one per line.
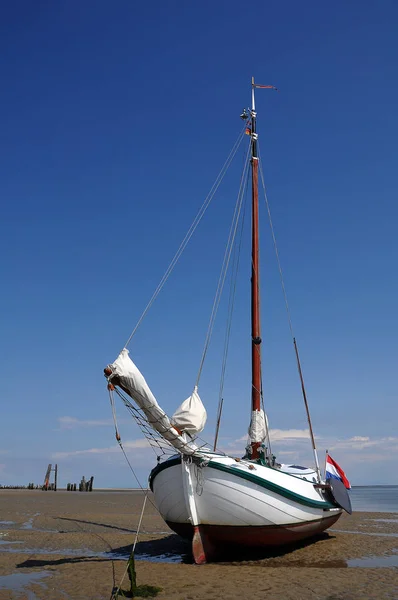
pixel 74 546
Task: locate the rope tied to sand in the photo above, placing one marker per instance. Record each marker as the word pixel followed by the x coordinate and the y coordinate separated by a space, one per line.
pixel 130 567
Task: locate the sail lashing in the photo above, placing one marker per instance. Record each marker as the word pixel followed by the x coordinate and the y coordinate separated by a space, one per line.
pixel 179 430
pixel 258 428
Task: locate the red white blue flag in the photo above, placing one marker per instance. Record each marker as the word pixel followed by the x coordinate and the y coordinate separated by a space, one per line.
pixel 334 471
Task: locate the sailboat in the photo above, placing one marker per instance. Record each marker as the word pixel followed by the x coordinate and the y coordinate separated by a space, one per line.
pixel 204 494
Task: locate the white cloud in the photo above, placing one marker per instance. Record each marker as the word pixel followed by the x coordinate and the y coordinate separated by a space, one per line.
pixel 361 443
pixel 282 435
pixel 73 423
pixel 132 444
pixel 288 435
pixel 279 437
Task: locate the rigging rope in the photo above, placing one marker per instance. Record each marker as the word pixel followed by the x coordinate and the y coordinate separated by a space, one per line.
pixel 275 245
pixel 231 304
pixel 280 275
pixel 291 325
pixel 269 448
pixel 225 264
pixel 161 446
pixel 119 441
pixel 190 231
pixel 116 590
pixel 258 350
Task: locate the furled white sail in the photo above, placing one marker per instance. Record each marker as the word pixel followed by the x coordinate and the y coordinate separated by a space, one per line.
pixel 189 417
pixel 258 426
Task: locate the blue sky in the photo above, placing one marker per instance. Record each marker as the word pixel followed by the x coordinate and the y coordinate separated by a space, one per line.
pixel 115 120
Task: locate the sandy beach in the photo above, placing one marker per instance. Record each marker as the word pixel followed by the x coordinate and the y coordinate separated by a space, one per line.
pixel 71 545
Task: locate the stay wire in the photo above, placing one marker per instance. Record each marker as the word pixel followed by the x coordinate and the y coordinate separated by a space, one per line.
pixel 231 304
pixel 275 245
pixel 291 325
pixel 225 264
pixel 190 231
pixel 280 275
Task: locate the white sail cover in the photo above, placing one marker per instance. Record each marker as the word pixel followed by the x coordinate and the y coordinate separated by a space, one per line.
pixel 258 426
pixel 189 417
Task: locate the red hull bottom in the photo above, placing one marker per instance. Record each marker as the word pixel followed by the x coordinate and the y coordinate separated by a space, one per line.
pixel 255 537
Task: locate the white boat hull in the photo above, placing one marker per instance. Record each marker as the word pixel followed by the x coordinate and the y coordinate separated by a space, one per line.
pixel 241 502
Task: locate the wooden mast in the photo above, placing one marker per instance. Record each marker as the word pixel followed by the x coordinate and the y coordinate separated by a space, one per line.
pixel 255 291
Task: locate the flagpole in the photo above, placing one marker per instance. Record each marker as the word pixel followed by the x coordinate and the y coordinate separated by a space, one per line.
pixel 326 460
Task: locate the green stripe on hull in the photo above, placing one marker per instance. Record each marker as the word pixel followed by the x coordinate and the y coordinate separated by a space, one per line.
pixel 272 487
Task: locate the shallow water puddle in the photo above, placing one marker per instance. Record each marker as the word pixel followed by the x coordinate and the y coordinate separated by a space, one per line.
pixel 62 552
pixel 7 523
pixel 365 533
pixel 385 520
pixel 162 558
pixel 364 562
pixel 374 561
pixel 86 553
pixel 17 582
pixel 29 523
pixel 2 542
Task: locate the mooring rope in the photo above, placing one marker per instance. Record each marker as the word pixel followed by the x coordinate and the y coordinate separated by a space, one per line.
pixel 116 591
pixel 141 517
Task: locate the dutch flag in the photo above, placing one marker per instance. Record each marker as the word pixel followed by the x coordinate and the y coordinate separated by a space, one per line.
pixel 334 471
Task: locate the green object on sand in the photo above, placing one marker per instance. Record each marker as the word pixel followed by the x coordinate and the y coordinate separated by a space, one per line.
pixel 137 591
pixel 132 574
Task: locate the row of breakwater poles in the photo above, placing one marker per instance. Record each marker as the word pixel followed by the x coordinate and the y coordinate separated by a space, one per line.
pixel 84 485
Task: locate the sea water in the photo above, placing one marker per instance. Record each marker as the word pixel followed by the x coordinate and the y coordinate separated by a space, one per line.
pixel 375 498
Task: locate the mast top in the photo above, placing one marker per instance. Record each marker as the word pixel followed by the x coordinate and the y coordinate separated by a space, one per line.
pixel 254 114
pixel 253 100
